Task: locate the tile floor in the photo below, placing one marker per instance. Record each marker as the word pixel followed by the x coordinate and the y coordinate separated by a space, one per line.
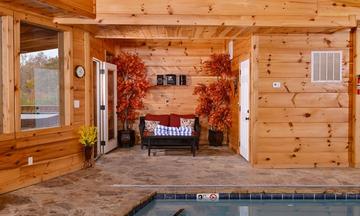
pixel 125 177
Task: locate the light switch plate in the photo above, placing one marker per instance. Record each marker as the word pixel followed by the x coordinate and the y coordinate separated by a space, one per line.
pixel 276 84
pixel 76 104
pixel 30 161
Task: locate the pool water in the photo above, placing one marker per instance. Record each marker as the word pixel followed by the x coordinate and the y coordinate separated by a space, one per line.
pixel 251 208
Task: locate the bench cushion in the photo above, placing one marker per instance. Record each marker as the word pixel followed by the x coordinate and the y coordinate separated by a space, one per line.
pixel 163 119
pixel 175 119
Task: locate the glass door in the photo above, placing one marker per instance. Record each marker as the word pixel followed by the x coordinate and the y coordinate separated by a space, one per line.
pixel 105 106
pixel 110 101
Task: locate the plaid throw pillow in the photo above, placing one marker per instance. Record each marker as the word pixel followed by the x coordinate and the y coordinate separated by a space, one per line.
pixel 187 122
pixel 151 125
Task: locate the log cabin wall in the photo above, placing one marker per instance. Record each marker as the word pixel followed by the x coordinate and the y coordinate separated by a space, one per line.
pixel 174 57
pixel 241 52
pixel 55 151
pixel 301 124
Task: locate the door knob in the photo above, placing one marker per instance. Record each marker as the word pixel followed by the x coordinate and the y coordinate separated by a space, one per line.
pixel 247 118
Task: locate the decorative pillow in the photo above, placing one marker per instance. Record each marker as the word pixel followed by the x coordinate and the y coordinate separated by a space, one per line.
pixel 187 122
pixel 175 119
pixel 151 125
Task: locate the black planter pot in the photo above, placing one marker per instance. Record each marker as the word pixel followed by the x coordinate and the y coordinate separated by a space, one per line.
pixel 126 138
pixel 88 150
pixel 215 138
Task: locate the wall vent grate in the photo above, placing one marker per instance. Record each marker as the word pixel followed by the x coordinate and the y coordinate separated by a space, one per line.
pixel 326 66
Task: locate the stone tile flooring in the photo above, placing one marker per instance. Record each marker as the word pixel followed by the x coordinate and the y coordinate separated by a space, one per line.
pixel 124 177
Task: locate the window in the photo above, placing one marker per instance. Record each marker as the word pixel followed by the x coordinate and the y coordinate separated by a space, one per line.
pixel 326 66
pixel 39 77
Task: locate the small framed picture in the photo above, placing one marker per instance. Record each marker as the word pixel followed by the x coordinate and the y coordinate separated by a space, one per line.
pixel 170 79
pixel 159 79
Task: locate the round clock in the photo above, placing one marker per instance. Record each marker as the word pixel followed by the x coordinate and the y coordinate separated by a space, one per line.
pixel 79 71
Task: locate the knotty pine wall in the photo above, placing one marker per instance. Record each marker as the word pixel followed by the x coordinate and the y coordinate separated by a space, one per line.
pixel 301 124
pixel 174 57
pixel 242 51
pixel 55 151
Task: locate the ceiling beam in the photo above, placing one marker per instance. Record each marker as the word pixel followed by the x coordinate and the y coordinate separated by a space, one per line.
pixel 211 20
pixel 200 32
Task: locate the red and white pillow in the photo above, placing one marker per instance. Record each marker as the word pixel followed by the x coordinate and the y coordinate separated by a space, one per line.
pixel 151 125
pixel 185 122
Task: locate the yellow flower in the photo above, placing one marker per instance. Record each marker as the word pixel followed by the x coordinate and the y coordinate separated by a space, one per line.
pixel 88 135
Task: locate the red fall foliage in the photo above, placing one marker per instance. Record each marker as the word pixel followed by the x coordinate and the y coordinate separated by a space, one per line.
pixel 214 98
pixel 132 85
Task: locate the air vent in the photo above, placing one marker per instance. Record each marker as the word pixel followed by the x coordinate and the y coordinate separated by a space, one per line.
pixel 326 66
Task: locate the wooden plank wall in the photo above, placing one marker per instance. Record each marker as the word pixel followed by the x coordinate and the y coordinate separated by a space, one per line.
pixel 242 50
pixel 55 151
pixel 301 124
pixel 174 57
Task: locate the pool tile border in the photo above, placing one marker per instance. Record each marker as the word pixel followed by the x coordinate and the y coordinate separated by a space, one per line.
pixel 248 197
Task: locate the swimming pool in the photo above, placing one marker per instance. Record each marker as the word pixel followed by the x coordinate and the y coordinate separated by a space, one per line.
pixel 250 204
pixel 251 208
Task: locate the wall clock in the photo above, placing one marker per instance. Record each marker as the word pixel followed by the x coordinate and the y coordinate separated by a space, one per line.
pixel 80 71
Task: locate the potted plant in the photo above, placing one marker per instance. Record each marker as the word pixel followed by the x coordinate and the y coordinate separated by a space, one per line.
pixel 132 85
pixel 88 138
pixel 214 98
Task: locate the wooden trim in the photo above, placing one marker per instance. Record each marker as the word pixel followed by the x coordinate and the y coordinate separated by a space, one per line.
pixel 68 91
pixel 214 20
pixel 17 74
pixel 355 101
pixel 87 65
pixel 7 73
pixel 253 96
pixel 66 85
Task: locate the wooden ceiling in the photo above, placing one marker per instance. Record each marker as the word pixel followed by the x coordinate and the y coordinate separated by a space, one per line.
pixel 216 19
pixel 197 19
pixel 55 8
pixel 30 35
pixel 286 13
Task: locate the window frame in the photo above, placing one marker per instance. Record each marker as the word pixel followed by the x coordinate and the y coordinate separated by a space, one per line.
pixel 65 67
pixel 326 52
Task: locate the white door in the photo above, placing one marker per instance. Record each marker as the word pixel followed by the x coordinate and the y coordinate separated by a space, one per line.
pixel 106 83
pixel 244 108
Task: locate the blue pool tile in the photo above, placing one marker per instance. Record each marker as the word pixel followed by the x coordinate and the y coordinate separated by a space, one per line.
pixel 266 196
pixel 319 196
pixel 255 196
pixel 224 196
pixel 191 196
pixel 340 196
pixel 351 196
pixel 169 196
pixel 276 196
pixel 288 196
pixel 180 196
pixel 330 196
pixel 244 196
pixel 309 196
pixel 160 196
pixel 298 196
pixel 234 196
